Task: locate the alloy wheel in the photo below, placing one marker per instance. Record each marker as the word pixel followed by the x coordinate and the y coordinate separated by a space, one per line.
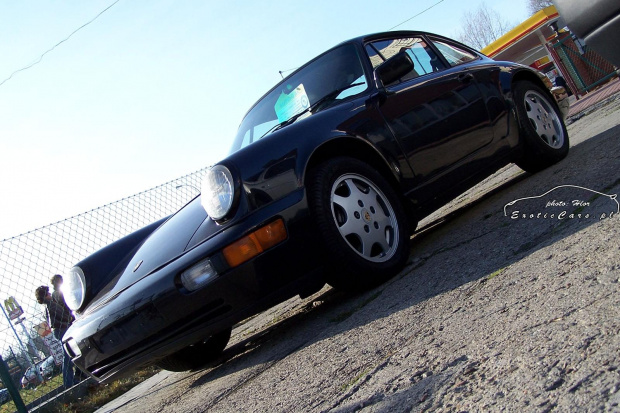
pixel 544 119
pixel 364 217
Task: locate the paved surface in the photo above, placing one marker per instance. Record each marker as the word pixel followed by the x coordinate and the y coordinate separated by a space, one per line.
pixel 493 313
pixel 607 91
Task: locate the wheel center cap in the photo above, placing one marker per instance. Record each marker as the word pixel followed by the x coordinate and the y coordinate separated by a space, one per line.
pixel 366 215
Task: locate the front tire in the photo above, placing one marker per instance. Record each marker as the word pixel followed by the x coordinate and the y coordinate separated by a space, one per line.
pixel 361 221
pixel 196 355
pixel 541 128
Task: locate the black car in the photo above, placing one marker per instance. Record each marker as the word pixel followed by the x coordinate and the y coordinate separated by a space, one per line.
pixel 327 177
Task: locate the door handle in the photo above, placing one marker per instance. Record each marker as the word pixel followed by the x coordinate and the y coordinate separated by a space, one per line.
pixel 465 77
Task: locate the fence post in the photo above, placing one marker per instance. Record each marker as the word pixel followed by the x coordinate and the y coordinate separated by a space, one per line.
pixel 8 383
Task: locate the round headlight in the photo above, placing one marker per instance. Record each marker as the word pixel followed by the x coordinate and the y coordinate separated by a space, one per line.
pixel 217 192
pixel 74 288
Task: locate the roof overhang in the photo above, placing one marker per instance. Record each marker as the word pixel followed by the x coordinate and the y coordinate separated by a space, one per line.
pixel 524 43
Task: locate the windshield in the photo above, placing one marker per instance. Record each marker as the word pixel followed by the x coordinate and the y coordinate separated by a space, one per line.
pixel 338 69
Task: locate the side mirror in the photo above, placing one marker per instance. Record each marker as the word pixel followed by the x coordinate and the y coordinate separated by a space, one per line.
pixel 394 68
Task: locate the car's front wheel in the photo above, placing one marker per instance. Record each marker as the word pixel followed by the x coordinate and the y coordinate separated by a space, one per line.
pixel 361 221
pixel 542 130
pixel 196 355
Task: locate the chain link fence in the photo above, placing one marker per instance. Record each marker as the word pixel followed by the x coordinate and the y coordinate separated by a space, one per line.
pixel 28 261
pixel 583 68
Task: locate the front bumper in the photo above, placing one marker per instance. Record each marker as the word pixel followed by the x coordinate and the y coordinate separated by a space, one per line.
pixel 156 316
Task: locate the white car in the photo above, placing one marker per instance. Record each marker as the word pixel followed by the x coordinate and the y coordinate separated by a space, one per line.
pixel 47 369
pixel 4 396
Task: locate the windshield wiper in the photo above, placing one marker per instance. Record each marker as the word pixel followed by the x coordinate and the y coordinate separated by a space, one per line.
pixel 330 96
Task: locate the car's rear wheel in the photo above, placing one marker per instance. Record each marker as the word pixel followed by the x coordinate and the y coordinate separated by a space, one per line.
pixel 196 355
pixel 361 221
pixel 542 130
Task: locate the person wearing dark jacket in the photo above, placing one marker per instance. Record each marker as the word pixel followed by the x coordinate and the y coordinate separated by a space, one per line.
pixel 60 318
pixel 561 82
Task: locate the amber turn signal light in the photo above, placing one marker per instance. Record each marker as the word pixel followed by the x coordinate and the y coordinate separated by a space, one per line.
pixel 255 243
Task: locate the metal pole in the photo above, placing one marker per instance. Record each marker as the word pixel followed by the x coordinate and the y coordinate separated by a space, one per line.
pixel 543 43
pixel 27 334
pixel 5 374
pixel 17 336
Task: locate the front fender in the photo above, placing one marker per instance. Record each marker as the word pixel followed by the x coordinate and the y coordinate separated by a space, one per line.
pixel 102 266
pixel 284 156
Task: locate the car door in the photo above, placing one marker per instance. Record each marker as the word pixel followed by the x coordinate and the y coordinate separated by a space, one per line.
pixel 437 113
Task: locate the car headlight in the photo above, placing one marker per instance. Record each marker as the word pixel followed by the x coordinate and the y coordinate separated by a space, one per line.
pixel 217 192
pixel 74 288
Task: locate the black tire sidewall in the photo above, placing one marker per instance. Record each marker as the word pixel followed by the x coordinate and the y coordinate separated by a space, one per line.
pixel 346 269
pixel 537 153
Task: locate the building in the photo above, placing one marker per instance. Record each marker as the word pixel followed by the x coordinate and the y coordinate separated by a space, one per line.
pixel 542 42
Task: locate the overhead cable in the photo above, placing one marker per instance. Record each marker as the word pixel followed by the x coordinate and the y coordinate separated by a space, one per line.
pixel 59 43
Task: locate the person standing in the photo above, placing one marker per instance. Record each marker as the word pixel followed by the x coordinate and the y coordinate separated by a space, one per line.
pixel 60 318
pixel 561 82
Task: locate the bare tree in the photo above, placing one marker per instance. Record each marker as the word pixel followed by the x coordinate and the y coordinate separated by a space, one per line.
pixel 535 5
pixel 482 26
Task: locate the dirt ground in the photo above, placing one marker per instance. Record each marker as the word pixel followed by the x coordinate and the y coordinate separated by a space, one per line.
pixel 495 311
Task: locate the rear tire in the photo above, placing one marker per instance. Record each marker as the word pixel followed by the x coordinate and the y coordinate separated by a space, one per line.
pixel 361 222
pixel 541 128
pixel 196 355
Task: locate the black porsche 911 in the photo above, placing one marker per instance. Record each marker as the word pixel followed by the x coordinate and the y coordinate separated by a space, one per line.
pixel 327 177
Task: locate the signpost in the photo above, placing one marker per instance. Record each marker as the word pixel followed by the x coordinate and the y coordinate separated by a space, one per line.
pixel 54 346
pixel 13 308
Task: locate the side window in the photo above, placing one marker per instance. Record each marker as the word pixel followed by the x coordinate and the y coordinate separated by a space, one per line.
pixel 455 55
pixel 425 60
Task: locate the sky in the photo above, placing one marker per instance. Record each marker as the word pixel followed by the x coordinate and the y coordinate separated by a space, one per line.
pixel 152 90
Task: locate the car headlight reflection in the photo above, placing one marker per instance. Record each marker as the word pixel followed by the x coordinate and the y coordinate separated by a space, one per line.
pixel 217 192
pixel 74 288
pixel 198 275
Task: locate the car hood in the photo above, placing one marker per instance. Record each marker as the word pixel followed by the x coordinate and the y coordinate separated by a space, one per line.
pixel 165 244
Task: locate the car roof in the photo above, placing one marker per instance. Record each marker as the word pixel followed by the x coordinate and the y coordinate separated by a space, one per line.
pixel 356 40
pixel 382 35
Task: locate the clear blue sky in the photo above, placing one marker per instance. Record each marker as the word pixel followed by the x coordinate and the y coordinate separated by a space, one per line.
pixel 153 90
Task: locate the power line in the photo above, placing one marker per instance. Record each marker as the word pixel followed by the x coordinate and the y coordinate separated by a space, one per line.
pixel 399 24
pixel 413 17
pixel 59 43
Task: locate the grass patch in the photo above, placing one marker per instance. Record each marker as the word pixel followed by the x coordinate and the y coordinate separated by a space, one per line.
pixel 343 316
pixel 526 247
pixel 346 386
pixel 609 187
pixel 30 395
pixel 495 273
pixel 579 210
pixel 99 395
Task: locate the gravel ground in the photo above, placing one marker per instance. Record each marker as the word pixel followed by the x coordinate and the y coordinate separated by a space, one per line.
pixel 491 314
